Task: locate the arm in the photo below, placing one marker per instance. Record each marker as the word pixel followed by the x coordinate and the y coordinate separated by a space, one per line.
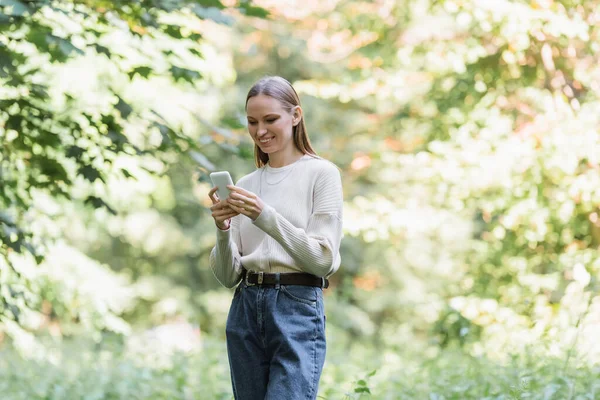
pixel 225 257
pixel 316 249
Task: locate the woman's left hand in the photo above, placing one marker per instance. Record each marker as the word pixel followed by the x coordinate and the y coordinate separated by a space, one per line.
pixel 245 202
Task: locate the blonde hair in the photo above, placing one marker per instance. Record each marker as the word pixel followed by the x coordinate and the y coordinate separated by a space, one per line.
pixel 283 91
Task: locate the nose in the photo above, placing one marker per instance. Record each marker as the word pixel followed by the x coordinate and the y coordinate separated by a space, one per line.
pixel 262 130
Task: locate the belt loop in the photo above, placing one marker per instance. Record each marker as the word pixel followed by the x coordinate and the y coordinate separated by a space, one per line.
pixel 277 285
pixel 322 282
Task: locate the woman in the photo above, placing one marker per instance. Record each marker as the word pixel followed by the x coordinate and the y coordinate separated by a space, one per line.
pixel 278 233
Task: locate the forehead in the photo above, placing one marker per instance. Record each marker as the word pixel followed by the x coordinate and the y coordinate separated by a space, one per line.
pixel 262 104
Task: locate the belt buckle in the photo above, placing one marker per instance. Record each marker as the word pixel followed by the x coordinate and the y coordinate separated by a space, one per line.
pixel 260 278
pixel 246 279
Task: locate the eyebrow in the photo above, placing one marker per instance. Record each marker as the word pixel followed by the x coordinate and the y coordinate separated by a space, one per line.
pixel 265 116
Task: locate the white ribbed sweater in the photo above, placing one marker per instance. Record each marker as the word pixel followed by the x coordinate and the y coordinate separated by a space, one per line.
pixel 299 229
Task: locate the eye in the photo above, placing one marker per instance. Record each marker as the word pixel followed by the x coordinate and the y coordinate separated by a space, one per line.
pixel 271 120
pixel 252 122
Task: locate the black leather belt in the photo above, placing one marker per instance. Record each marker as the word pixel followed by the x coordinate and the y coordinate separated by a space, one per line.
pixel 252 278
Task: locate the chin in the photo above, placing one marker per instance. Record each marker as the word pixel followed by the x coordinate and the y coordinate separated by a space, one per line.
pixel 268 150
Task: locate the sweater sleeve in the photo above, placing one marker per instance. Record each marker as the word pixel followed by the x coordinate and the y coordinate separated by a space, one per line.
pixel 225 257
pixel 316 249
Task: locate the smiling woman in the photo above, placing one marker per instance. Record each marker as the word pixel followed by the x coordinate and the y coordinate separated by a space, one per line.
pixel 270 130
pixel 279 234
pixel 275 121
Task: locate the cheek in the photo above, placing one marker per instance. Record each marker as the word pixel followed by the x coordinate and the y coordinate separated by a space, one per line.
pixel 283 126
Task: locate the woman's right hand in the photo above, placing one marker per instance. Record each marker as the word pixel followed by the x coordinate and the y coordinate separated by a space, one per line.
pixel 221 212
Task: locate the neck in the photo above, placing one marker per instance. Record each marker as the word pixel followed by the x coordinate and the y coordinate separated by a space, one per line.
pixel 280 159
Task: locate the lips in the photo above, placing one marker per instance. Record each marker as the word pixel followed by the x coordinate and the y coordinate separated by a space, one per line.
pixel 267 141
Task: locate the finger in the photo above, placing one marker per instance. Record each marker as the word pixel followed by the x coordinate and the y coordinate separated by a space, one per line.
pixel 218 206
pixel 225 218
pixel 229 216
pixel 229 212
pixel 246 205
pixel 240 210
pixel 224 211
pixel 223 203
pixel 243 192
pixel 239 203
pixel 213 196
pixel 238 196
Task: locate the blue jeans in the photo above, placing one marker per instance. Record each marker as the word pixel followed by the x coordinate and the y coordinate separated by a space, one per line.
pixel 276 342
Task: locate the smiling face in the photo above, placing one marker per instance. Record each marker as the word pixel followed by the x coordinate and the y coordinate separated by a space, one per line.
pixel 271 125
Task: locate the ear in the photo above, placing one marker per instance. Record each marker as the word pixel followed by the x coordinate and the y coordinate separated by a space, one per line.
pixel 296 115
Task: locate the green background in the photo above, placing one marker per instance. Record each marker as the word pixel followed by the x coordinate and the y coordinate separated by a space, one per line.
pixel 468 134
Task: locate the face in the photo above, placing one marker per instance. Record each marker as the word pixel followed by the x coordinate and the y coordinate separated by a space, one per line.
pixel 270 125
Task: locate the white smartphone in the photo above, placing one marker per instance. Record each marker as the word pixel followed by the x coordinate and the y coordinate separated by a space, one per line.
pixel 221 179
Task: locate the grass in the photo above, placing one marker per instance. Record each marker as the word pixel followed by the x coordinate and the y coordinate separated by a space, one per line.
pixel 82 370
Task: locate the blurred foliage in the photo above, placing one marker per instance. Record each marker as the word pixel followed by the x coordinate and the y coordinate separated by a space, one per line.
pixel 85 370
pixel 467 131
pixel 472 162
pixel 74 129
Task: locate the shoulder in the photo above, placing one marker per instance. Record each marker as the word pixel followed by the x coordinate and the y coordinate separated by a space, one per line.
pixel 322 167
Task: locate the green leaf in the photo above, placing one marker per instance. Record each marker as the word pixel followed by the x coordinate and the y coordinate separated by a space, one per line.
pixel 253 11
pixel 51 168
pixel 90 173
pixel 124 108
pixel 65 46
pixel 49 139
pixel 210 3
pixel 118 139
pixel 195 37
pixel 185 74
pixel 195 51
pixel 7 62
pixel 97 202
pixel 173 30
pixel 127 174
pixel 101 50
pixel 37 36
pixel 59 48
pixel 361 383
pixel 74 152
pixel 144 72
pixel 15 122
pixel 362 390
